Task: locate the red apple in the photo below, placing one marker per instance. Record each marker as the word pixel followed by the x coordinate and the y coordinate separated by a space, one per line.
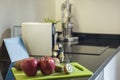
pixel 47 65
pixel 29 66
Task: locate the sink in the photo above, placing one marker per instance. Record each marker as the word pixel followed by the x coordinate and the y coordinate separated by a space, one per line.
pixel 85 49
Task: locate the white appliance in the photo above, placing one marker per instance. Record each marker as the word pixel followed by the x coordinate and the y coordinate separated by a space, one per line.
pixel 37 38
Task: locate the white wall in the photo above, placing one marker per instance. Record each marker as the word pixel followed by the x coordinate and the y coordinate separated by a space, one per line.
pixel 94 16
pixel 14 12
pixel 4 17
pixel 31 10
pixel 89 16
pixel 21 10
pixel 44 9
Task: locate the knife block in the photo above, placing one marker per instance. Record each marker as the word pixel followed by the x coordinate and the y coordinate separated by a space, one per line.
pixel 12 49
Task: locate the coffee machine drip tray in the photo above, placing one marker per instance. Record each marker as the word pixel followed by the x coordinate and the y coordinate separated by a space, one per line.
pixel 71 39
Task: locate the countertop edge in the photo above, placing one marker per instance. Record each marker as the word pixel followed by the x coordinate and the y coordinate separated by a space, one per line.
pixel 104 64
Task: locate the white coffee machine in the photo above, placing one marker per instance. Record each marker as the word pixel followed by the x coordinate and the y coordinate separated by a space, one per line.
pixel 37 38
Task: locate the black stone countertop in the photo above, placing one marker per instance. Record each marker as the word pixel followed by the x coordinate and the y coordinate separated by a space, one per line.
pixel 92 52
pixel 90 61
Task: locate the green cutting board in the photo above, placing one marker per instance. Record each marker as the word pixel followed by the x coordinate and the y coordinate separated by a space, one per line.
pixel 78 71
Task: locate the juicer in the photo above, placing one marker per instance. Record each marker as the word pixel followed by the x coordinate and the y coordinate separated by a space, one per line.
pixel 67 24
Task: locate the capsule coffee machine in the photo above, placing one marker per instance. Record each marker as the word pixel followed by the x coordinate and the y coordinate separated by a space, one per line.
pixel 67 24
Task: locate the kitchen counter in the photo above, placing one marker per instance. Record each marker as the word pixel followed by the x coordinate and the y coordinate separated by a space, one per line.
pixel 108 64
pixel 92 53
pixel 91 61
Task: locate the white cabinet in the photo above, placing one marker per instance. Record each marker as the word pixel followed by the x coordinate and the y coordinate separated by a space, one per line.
pixel 112 70
pixel 100 76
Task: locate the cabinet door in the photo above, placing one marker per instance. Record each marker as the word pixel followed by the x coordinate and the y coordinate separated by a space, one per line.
pixel 100 76
pixel 112 70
